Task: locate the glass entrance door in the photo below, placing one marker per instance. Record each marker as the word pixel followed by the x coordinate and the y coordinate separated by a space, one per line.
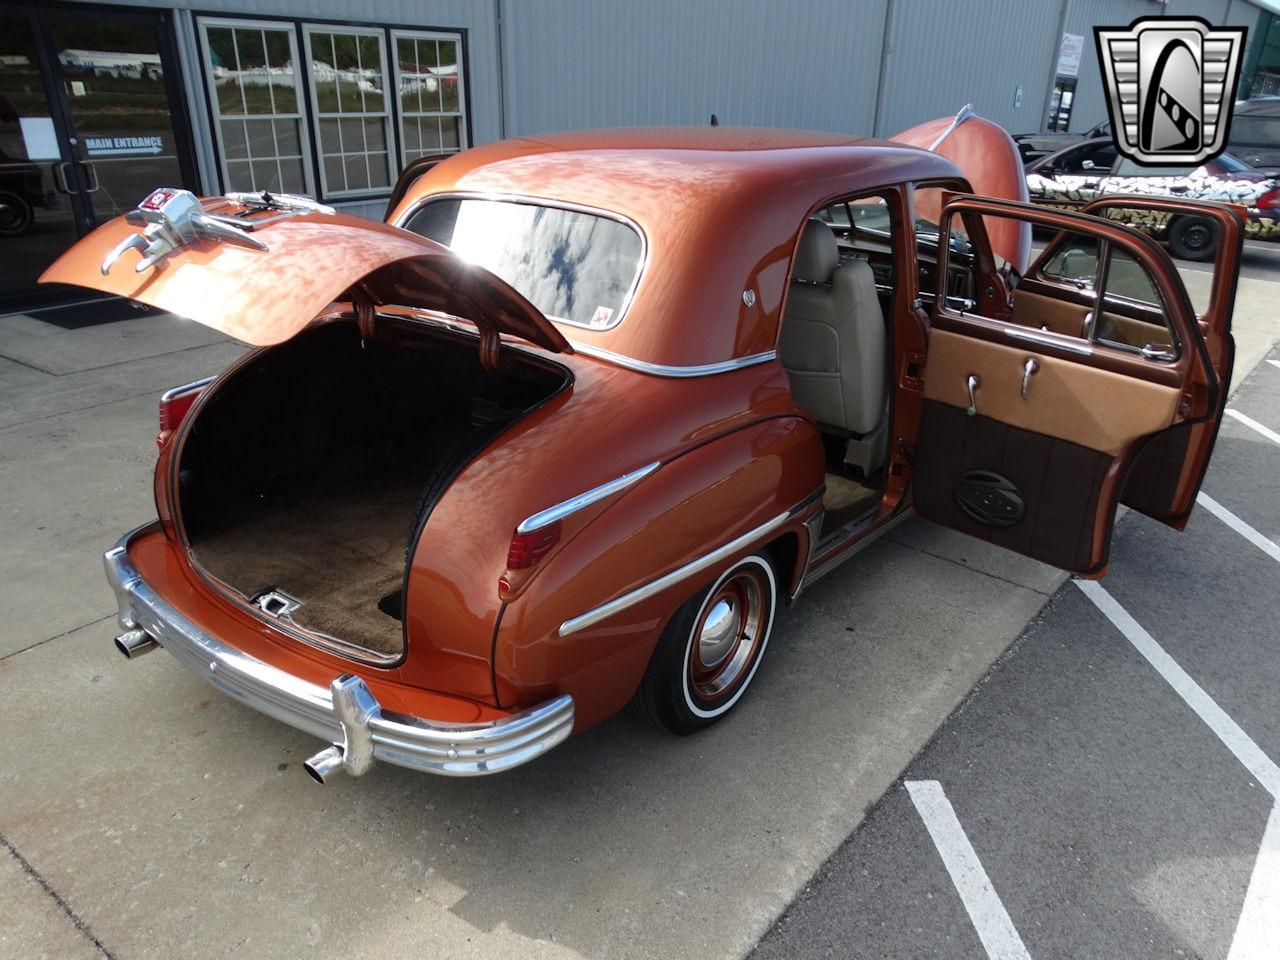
pixel 91 121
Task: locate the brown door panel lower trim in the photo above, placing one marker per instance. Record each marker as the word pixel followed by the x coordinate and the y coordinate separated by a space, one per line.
pixel 1060 483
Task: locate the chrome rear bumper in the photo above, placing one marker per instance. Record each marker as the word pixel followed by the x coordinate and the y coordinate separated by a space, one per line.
pixel 346 713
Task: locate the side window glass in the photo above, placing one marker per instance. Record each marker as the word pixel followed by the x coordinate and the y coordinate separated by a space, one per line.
pixel 1089 289
pixel 1075 263
pixel 1132 315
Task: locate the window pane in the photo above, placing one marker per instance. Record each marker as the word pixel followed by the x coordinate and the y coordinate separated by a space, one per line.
pixel 373 81
pixel 334 177
pixel 379 172
pixel 450 138
pixel 233 140
pixel 287 137
pixel 357 172
pixel 572 266
pixel 239 175
pixel 375 134
pixel 1133 314
pixel 266 175
pixel 294 177
pixel 352 136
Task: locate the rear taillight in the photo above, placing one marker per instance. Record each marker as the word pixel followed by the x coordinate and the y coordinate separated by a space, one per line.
pixel 1270 199
pixel 174 405
pixel 528 548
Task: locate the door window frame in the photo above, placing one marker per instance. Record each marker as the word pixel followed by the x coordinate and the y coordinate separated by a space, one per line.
pixel 1181 315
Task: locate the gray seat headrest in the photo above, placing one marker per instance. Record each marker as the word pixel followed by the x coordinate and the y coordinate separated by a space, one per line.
pixel 816 259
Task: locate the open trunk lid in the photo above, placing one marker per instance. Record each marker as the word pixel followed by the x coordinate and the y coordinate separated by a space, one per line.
pixel 259 268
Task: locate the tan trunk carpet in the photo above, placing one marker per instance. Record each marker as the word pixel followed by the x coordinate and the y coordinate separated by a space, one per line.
pixel 339 551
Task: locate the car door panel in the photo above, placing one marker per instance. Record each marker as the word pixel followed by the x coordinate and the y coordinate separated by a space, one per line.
pixel 1034 309
pixel 1035 461
pixel 1167 470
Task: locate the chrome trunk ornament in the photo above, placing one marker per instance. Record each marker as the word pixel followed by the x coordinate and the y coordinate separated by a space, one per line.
pixel 172 219
pixel 262 200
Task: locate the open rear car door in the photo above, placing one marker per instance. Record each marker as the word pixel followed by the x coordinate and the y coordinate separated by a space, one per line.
pixel 259 268
pixel 1093 382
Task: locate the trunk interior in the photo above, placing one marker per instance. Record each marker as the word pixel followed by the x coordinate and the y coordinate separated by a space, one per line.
pixel 309 472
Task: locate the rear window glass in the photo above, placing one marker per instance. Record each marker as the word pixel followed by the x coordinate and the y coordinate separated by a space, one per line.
pixel 575 267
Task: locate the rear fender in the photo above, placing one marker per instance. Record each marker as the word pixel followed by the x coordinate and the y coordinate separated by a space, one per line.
pixel 681 512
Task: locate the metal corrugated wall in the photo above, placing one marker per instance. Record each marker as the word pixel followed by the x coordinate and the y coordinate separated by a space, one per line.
pixel 943 55
pixel 582 63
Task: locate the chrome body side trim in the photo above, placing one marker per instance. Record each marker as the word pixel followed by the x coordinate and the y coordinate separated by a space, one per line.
pixel 618 604
pixel 192 387
pixel 672 370
pixel 346 714
pixel 814 525
pixel 565 508
pixel 1061 341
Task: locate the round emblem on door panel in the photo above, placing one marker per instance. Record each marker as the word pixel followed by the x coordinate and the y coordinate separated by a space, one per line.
pixel 749 297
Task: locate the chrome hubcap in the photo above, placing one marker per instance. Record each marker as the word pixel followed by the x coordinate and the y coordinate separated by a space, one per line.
pixel 727 638
pixel 719 631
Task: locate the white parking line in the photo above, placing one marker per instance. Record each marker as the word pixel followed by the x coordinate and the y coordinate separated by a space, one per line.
pixel 1229 732
pixel 1263 543
pixel 990 919
pixel 1250 422
pixel 1258 932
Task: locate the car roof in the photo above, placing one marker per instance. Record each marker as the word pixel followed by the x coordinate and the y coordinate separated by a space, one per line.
pixel 721 209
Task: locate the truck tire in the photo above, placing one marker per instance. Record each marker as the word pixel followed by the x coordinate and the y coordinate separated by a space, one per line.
pixel 1193 238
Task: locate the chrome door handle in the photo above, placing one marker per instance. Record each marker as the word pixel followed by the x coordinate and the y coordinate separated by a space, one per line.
pixel 1155 353
pixel 972 385
pixel 1028 368
pixel 60 178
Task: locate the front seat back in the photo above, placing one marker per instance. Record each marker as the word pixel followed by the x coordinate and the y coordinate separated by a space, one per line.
pixel 832 341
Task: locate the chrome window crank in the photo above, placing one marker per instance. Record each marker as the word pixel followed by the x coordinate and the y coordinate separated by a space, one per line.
pixel 1028 368
pixel 972 384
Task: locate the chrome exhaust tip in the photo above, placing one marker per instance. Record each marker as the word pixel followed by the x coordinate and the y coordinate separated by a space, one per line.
pixel 134 643
pixel 324 764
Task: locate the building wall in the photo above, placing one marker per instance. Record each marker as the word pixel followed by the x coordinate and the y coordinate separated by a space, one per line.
pixel 943 55
pixel 583 63
pixel 870 67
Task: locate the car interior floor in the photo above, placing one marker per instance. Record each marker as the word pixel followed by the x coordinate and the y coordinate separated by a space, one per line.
pixel 850 495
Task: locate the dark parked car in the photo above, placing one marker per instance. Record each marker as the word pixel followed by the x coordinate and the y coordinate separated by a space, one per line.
pixel 1073 177
pixel 1034 146
pixel 1255 132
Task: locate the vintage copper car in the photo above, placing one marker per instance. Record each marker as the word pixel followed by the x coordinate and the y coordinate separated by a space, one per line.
pixel 566 431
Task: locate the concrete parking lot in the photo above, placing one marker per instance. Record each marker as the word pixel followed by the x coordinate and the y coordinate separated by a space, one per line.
pixel 144 815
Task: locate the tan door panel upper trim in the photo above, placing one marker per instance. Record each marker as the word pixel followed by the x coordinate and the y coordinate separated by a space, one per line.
pixel 1038 310
pixel 1095 408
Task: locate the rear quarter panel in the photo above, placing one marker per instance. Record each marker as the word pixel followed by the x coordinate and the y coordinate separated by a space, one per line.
pixel 703 499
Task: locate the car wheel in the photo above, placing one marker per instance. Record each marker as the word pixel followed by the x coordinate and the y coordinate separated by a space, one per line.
pixel 1193 238
pixel 16 215
pixel 710 650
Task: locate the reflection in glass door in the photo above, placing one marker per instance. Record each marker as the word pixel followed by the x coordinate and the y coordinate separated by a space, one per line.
pixel 119 105
pixel 37 219
pixel 90 123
